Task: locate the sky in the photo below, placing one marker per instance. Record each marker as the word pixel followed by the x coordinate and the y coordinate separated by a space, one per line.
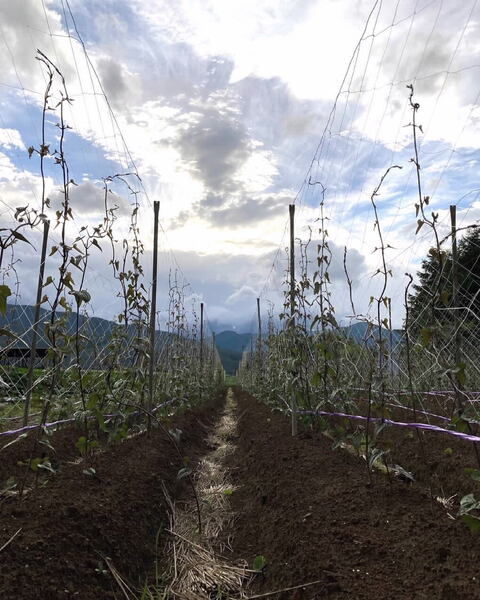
pixel 227 112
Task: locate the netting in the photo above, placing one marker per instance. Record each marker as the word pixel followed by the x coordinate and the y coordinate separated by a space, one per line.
pixel 77 332
pixel 384 315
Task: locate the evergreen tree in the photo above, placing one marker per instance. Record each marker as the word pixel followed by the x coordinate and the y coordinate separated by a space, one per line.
pixel 434 291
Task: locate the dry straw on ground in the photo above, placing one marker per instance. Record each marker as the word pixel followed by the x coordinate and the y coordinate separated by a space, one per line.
pixel 198 570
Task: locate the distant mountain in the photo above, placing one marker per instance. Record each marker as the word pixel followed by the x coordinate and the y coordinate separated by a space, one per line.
pixel 231 340
pixel 96 332
pixel 20 317
pixel 230 346
pixel 230 360
pixel 361 332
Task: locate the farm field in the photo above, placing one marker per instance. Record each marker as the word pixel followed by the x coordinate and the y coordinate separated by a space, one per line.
pixel 314 515
pixel 239 300
pixel 309 511
pixel 74 521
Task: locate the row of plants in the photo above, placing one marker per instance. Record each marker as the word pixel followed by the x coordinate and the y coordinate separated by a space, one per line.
pixel 308 363
pixel 106 375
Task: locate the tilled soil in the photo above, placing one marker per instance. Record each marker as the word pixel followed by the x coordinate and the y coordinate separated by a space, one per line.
pixel 311 512
pixel 439 462
pixel 69 526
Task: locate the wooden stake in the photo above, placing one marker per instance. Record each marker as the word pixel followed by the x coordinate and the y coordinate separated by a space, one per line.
pixel 214 349
pixel 153 305
pixel 456 321
pixel 36 318
pixel 259 344
pixel 201 337
pixel 292 306
pixel 259 325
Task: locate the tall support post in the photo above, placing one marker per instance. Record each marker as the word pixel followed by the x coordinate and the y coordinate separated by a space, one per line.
pixel 214 350
pixel 251 361
pixel 259 324
pixel 455 319
pixel 201 350
pixel 36 318
pixel 153 305
pixel 292 306
pixel 201 337
pixel 259 361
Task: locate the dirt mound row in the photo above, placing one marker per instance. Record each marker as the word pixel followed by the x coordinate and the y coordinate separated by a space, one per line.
pixel 69 525
pixel 310 512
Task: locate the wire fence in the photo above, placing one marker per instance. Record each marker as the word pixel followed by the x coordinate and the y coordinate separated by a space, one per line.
pixel 383 319
pixel 431 361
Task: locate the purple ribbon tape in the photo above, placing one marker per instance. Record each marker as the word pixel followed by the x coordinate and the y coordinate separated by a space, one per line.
pixel 425 426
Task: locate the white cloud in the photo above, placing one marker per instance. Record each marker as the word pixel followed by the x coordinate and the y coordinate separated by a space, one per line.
pixel 11 138
pixel 223 104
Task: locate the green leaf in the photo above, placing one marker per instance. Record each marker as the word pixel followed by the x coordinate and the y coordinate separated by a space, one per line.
pixel 176 434
pixel 63 303
pixel 472 522
pixel 93 401
pixel 445 297
pixel 474 473
pixel 420 224
pixel 468 503
pixel 7 332
pixel 34 463
pixel 96 244
pixel 81 444
pixel 19 236
pixel 403 473
pixel 259 563
pixel 81 296
pixel 185 472
pixel 228 492
pixel 68 280
pixel 375 455
pixel 426 335
pixel 459 424
pixel 11 334
pixel 46 464
pixel 460 373
pixel 5 292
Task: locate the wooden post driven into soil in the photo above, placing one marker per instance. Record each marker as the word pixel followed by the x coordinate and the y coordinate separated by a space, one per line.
pixel 201 337
pixel 293 404
pixel 36 318
pixel 259 357
pixel 214 349
pixel 259 324
pixel 153 305
pixel 455 319
pixel 259 330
